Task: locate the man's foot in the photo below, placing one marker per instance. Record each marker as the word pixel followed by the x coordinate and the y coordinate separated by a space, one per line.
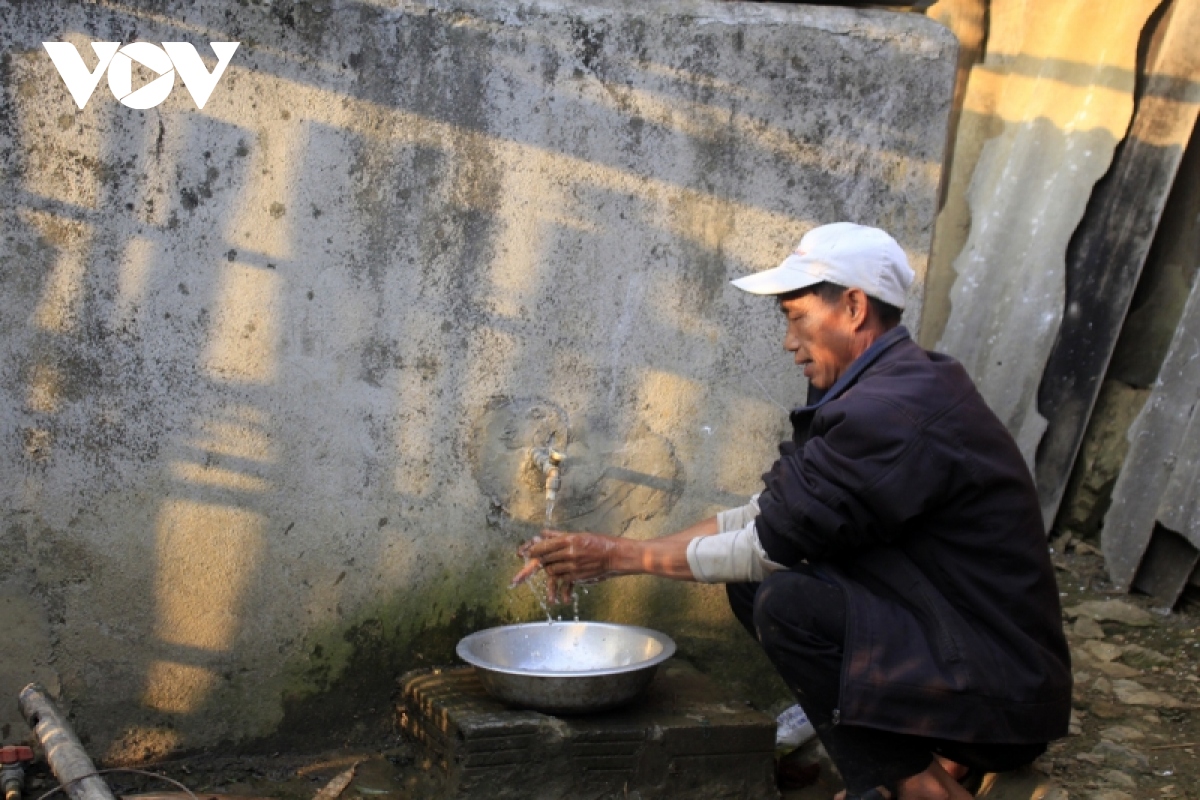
pixel 932 784
pixel 953 768
pixel 935 783
pixel 969 779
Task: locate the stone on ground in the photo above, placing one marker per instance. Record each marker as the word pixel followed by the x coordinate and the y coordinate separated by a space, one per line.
pixel 1112 611
pixel 1132 693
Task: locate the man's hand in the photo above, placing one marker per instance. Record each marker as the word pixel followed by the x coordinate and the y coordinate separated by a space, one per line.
pixel 571 558
pixel 568 559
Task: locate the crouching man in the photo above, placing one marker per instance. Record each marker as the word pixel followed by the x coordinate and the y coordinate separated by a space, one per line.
pixel 894 566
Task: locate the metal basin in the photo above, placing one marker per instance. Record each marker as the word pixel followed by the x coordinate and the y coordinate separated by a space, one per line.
pixel 566 667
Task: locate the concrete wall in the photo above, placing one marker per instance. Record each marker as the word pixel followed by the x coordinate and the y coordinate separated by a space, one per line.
pixel 269 370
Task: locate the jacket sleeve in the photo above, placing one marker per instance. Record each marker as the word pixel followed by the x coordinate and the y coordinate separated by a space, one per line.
pixel 857 484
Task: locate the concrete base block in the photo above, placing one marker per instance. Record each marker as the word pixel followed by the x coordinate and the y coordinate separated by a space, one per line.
pixel 684 737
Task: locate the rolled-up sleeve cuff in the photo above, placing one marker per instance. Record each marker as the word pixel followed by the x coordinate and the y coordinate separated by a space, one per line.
pixel 733 556
pixel 737 518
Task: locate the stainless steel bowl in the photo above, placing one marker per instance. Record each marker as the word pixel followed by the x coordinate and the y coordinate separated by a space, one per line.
pixel 566 667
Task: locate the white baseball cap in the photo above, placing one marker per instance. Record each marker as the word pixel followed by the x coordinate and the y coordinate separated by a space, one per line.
pixel 849 255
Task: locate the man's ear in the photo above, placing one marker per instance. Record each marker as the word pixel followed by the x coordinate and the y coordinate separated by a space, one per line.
pixel 858 306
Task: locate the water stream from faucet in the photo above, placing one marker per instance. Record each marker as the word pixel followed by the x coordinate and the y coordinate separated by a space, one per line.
pixel 574 589
pixel 539 585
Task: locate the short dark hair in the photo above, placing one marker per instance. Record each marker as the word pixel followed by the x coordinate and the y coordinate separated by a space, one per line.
pixel 830 293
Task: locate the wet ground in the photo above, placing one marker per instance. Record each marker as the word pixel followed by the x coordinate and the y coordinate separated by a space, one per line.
pixel 1135 731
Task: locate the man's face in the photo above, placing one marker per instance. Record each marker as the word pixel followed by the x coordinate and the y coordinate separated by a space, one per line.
pixel 821 336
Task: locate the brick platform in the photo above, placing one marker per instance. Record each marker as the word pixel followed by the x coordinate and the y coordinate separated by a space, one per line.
pixel 683 738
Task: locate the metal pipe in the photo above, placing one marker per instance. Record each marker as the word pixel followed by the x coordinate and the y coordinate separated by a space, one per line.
pixel 547 460
pixel 67 759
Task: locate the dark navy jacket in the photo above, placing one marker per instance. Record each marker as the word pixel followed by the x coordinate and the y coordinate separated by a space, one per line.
pixel 903 487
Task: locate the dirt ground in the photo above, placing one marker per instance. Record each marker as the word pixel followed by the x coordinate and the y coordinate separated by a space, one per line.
pixel 1135 730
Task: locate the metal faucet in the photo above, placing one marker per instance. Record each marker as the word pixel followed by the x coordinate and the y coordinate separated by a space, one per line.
pixel 547 460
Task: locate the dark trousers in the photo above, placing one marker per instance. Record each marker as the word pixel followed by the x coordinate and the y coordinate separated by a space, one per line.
pixel 800 620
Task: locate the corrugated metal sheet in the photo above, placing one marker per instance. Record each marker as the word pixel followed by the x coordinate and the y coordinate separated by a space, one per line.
pixel 1160 481
pixel 1042 116
pixel 1110 248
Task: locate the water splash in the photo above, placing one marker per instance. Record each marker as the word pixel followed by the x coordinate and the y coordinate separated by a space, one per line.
pixel 538 585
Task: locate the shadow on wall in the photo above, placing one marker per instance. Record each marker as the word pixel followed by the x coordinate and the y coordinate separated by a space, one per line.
pixel 246 349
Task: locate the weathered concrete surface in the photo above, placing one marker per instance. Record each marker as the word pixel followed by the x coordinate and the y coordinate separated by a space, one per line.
pixel 1042 115
pixel 268 369
pixel 1160 480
